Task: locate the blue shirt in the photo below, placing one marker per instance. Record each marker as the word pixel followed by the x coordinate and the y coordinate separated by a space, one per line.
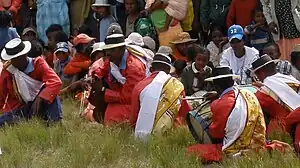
pixel 103 26
pixel 30 66
pixel 7 34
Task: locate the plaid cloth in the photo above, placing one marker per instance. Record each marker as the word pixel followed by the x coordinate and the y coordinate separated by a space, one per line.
pixel 51 12
pixel 284 67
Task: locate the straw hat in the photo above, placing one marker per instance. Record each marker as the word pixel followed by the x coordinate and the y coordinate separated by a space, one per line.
pixel 183 37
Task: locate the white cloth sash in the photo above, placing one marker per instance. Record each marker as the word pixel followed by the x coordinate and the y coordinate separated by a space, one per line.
pixel 278 84
pixel 28 87
pixel 149 99
pixel 236 122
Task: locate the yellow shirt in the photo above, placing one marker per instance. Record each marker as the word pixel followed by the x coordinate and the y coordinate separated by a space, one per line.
pixel 187 22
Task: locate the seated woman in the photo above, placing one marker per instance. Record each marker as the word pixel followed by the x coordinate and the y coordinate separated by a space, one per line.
pixel 193 75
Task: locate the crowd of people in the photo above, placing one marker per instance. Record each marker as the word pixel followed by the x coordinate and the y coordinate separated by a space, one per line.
pixel 139 62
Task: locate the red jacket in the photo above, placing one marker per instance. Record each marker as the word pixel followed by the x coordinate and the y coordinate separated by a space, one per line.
pixel 78 63
pixel 221 109
pixel 184 109
pixel 42 72
pixel 118 96
pixel 240 12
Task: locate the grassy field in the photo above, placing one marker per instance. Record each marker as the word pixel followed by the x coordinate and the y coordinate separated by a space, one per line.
pixel 78 144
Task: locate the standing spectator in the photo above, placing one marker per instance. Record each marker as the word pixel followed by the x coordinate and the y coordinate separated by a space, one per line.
pixel 52 12
pixel 218 44
pixel 187 22
pixel 239 57
pixel 240 12
pixel 181 42
pixel 102 14
pixel 13 6
pixel 166 17
pixel 214 12
pixel 79 11
pixel 295 59
pixel 133 8
pixel 7 33
pixel 284 21
pixel 258 33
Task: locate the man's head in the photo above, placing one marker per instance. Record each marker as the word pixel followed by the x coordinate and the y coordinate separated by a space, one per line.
pixel 161 62
pixel 62 51
pixel 83 44
pixel 273 50
pixel 222 78
pixel 97 52
pixel 264 67
pixel 16 51
pixel 51 33
pixel 115 47
pixel 29 34
pixel 101 7
pixel 235 37
pixel 183 40
pixel 131 6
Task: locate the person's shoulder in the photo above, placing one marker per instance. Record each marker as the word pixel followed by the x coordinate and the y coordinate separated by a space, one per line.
pixel 251 50
pixel 188 68
pixel 228 52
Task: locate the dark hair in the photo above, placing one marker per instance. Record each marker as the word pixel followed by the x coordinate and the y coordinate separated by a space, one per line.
pixel 61 36
pixel 196 49
pixel 295 56
pixel 215 28
pixel 54 28
pixel 36 49
pixel 269 68
pixel 272 45
pixel 140 4
pixel 179 65
pixel 84 29
pixel 257 9
pixel 5 19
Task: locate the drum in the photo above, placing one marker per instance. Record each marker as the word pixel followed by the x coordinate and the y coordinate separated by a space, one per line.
pixel 198 121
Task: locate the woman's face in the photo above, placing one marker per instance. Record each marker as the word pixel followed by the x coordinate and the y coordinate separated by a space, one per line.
pixel 201 61
pixel 131 6
pixel 217 37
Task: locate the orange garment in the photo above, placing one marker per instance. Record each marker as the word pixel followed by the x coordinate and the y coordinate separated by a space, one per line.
pixel 14 8
pixel 78 63
pixel 286 47
pixel 178 56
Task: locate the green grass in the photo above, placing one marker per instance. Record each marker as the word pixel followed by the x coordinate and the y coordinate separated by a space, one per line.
pixel 76 143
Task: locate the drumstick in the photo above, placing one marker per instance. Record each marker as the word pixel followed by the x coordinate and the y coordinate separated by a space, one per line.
pixel 193 98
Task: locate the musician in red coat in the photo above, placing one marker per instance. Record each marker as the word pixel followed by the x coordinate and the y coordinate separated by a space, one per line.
pixel 279 98
pixel 114 86
pixel 27 85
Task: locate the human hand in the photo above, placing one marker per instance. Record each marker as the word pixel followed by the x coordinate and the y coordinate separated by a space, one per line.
pixel 273 27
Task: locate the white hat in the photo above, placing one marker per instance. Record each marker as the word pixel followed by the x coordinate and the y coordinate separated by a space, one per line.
pixel 97 47
pixel 136 39
pixel 101 3
pixel 15 48
pixel 114 41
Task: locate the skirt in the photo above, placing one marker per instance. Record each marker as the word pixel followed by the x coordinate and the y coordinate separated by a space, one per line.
pixel 286 47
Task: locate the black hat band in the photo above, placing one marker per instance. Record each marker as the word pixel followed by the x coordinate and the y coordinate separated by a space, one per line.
pixel 115 40
pixel 15 50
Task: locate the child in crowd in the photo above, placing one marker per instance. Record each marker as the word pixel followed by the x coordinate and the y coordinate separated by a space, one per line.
pixel 283 66
pixel 51 34
pixel 133 8
pixel 257 33
pixel 295 59
pixel 179 65
pixel 7 33
pixel 217 45
pixel 80 63
pixel 36 49
pixel 193 75
pixel 62 53
pixel 29 34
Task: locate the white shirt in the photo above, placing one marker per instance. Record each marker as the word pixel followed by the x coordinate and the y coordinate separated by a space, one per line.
pixel 215 56
pixel 239 66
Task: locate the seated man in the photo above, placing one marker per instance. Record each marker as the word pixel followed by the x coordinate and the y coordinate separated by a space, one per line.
pixel 239 57
pixel 279 98
pixel 28 86
pixel 237 120
pixel 113 86
pixel 157 100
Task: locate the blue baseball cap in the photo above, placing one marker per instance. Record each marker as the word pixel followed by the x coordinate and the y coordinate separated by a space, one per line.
pixel 62 46
pixel 235 31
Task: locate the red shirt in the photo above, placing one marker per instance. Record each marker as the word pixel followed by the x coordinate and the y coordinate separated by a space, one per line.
pixel 184 109
pixel 240 12
pixel 42 72
pixel 14 7
pixel 78 63
pixel 221 109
